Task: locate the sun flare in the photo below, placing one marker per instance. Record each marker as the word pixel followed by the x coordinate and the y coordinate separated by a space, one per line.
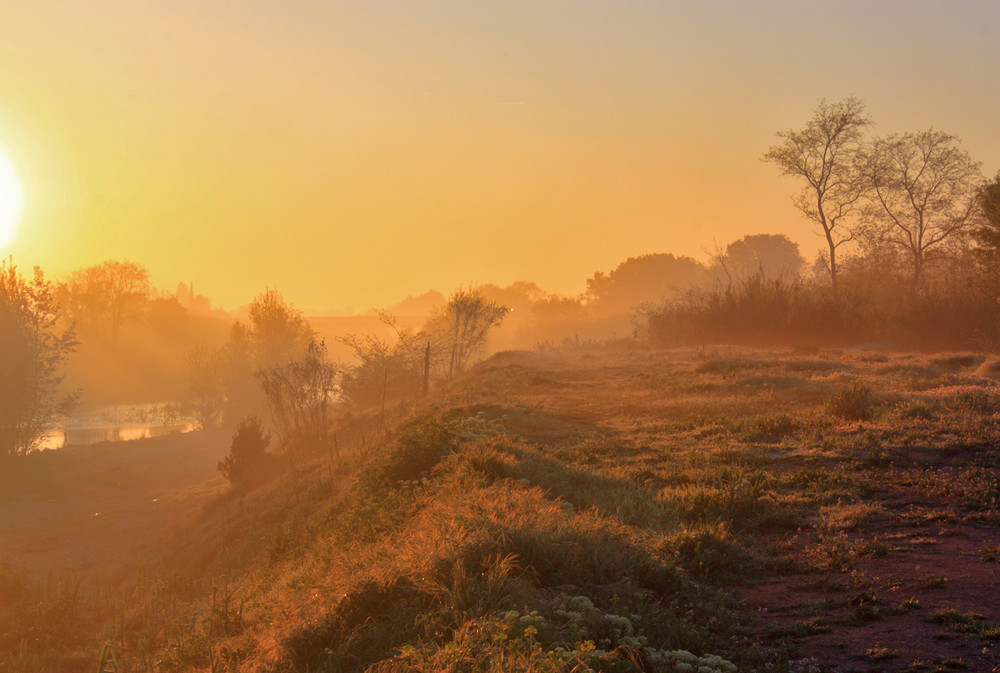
pixel 11 199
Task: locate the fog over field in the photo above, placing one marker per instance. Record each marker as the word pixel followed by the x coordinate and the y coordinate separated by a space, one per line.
pixel 491 337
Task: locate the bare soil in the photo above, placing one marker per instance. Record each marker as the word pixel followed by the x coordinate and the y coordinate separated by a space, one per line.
pixel 96 508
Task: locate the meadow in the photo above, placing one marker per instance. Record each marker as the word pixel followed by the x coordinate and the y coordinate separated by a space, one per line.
pixel 603 508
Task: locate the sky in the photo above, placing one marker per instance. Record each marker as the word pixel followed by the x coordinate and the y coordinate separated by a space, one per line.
pixel 350 154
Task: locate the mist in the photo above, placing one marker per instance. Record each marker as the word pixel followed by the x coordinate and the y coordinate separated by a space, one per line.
pixel 673 340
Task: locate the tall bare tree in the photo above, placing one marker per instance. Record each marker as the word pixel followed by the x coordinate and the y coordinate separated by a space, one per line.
pixel 924 192
pixel 825 155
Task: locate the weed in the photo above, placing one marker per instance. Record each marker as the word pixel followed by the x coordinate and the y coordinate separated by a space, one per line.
pixel 865 607
pixel 966 622
pixel 848 516
pixel 833 552
pixel 772 428
pixel 877 654
pixel 801 629
pixel 989 553
pixel 924 582
pixel 918 411
pixel 726 366
pixel 976 401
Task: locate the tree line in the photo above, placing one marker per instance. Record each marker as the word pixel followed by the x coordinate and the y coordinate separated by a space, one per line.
pixel 272 363
pixel 912 254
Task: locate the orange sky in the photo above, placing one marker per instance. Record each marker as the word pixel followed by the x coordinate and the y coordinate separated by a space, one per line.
pixel 350 154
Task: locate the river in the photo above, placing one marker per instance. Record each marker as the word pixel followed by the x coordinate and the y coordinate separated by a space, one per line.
pixel 118 424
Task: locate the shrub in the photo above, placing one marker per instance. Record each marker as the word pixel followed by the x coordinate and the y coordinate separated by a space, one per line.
pixel 710 552
pixel 854 404
pixel 247 454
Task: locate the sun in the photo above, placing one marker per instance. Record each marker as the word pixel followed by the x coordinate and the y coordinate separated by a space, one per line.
pixel 11 199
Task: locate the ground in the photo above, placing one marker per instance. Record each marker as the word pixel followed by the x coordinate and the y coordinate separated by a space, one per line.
pixel 91 508
pixel 840 509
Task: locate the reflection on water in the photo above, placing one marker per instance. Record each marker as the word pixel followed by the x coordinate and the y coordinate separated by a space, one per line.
pixel 118 424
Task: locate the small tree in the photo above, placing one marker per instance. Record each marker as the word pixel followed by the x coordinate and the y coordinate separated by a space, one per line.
pixel 278 330
pixel 247 453
pixel 32 355
pixel 460 330
pixel 385 371
pixel 825 156
pixel 301 395
pixel 275 335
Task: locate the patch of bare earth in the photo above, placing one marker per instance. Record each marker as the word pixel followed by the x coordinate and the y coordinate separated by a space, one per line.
pixel 879 616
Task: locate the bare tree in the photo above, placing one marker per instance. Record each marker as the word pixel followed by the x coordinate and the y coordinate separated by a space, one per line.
pixel 385 370
pixel 825 155
pixel 301 395
pixel 460 329
pixel 924 194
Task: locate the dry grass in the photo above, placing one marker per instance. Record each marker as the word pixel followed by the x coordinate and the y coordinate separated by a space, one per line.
pixel 551 512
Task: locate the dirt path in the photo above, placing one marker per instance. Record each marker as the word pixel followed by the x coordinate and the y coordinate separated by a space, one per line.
pixel 84 509
pixel 881 615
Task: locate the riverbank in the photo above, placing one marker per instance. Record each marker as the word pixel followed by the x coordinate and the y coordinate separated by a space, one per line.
pixel 92 508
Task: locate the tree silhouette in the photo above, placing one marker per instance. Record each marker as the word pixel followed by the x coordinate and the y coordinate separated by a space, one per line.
pixel 825 155
pixel 106 295
pixel 770 256
pixel 278 331
pixel 460 329
pixel 640 280
pixel 32 354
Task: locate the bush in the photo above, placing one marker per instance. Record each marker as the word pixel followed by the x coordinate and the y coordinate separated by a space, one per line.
pixel 710 552
pixel 857 403
pixel 247 454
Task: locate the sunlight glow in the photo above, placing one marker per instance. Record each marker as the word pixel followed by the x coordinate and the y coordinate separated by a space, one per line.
pixel 11 199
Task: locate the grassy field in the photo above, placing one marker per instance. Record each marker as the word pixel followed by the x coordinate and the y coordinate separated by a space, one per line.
pixel 606 509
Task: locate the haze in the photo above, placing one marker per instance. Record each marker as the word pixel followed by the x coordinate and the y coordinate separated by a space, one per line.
pixel 351 154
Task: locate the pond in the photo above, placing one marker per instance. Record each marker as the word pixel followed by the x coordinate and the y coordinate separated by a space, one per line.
pixel 118 424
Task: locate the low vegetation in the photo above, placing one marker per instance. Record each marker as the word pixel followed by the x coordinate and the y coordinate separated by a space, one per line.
pixel 615 510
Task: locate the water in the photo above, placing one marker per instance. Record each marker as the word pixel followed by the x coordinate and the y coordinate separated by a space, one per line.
pixel 118 424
